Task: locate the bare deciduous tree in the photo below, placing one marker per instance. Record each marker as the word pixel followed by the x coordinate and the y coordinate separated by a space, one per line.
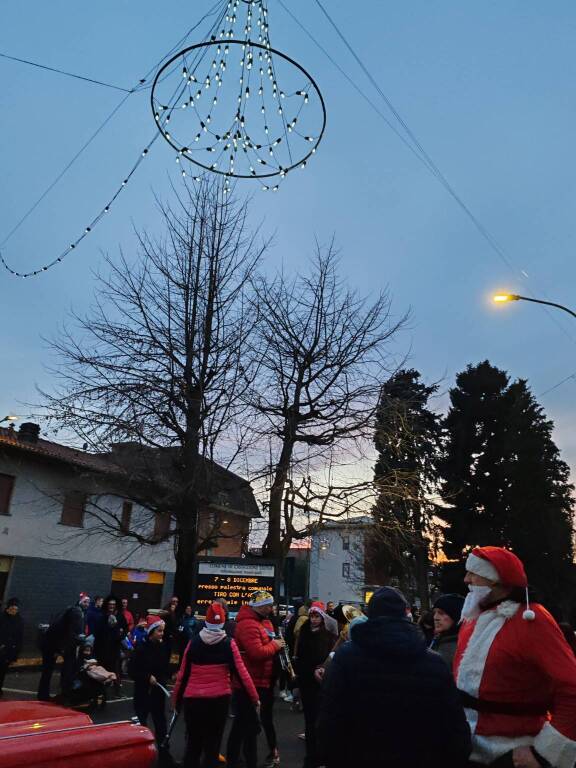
pixel 324 352
pixel 162 360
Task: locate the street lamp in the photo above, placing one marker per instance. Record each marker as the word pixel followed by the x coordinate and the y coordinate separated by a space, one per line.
pixel 10 417
pixel 502 298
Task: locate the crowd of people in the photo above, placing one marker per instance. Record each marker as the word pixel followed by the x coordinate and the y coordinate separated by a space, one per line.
pixel 489 679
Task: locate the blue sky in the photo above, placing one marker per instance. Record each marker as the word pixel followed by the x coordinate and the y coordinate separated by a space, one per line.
pixel 488 88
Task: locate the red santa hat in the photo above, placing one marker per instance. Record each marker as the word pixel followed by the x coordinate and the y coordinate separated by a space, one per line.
pixel 153 623
pixel 497 564
pixel 215 617
pixel 501 566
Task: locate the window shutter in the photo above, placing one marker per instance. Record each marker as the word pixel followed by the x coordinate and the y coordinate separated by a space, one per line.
pixel 6 488
pixel 126 517
pixel 73 509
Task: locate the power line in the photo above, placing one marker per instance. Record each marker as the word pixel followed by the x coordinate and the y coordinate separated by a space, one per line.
pixel 138 86
pixel 106 209
pixel 64 72
pixel 356 87
pixel 425 158
pixel 551 389
pixel 62 173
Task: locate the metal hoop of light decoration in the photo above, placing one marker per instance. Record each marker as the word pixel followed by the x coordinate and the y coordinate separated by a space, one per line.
pixel 238 141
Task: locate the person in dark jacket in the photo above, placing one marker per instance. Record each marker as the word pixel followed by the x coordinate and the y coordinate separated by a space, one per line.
pixel 385 686
pixel 148 667
pixel 426 624
pixel 94 614
pixel 315 643
pixel 447 611
pixel 188 628
pixel 110 632
pixel 62 638
pixel 172 620
pixel 204 686
pixel 11 635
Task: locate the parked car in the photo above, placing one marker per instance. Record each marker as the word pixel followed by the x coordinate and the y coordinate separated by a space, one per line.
pixel 40 735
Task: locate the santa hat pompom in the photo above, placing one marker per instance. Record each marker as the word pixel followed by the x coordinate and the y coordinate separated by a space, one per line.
pixel 528 614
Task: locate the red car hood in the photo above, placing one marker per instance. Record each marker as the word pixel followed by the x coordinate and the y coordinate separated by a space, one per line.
pixel 37 735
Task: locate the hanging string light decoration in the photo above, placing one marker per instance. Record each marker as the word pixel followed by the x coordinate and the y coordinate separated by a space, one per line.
pixel 256 113
pixel 235 106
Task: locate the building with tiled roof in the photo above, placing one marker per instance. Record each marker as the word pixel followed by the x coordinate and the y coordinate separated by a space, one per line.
pixel 65 516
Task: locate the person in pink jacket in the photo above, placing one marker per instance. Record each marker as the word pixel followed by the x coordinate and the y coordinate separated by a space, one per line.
pixel 203 688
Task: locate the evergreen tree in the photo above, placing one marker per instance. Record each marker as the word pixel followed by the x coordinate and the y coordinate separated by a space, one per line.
pixel 408 439
pixel 504 482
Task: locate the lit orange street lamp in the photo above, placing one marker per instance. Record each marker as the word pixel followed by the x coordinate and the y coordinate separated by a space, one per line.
pixel 502 298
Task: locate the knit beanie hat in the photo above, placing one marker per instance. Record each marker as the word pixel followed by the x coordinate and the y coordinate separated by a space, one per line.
pixel 319 608
pixel 215 617
pixel 260 598
pixel 387 601
pixel 153 623
pixel 451 605
pixel 356 621
pixel 13 602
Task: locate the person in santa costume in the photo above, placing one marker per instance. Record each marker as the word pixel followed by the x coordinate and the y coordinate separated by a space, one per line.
pixel 514 669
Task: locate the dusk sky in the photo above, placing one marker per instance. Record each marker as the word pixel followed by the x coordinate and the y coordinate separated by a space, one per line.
pixel 487 87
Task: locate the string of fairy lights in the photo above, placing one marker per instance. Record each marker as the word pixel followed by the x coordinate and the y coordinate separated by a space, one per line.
pixel 255 140
pixel 239 150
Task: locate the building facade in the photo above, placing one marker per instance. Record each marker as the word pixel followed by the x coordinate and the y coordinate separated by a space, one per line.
pixel 66 528
pixel 337 561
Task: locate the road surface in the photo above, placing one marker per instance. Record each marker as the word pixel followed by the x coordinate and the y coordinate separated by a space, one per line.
pixel 23 685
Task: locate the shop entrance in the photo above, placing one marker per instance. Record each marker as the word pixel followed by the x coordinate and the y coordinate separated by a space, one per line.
pixel 143 589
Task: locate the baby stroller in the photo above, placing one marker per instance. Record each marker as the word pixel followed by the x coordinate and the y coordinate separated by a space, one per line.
pixel 91 680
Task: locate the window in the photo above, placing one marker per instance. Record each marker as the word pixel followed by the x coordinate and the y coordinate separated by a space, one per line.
pixel 161 525
pixel 73 509
pixel 346 542
pixel 345 570
pixel 126 517
pixel 6 488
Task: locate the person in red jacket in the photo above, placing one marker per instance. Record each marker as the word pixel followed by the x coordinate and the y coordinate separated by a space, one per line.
pixel 203 688
pixel 515 670
pixel 258 645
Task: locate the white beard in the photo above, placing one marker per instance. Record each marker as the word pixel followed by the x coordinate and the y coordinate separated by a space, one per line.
pixel 471 608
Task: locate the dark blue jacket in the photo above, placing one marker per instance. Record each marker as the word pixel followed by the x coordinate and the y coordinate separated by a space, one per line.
pixel 93 618
pixel 397 698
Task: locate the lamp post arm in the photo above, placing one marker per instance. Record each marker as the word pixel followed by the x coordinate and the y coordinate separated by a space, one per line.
pixel 516 297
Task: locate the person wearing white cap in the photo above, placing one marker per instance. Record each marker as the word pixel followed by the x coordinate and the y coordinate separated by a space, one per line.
pixel 514 669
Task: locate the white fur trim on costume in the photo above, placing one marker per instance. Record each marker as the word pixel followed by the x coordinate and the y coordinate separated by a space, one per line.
pixel 487 749
pixel 488 624
pixel 213 627
pixel 556 748
pixel 481 567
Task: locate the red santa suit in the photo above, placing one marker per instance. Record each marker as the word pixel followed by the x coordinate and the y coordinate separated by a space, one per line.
pixel 517 673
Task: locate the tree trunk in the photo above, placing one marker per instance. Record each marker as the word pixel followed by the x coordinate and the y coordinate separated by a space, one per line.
pixel 185 566
pixel 421 566
pixel 272 546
